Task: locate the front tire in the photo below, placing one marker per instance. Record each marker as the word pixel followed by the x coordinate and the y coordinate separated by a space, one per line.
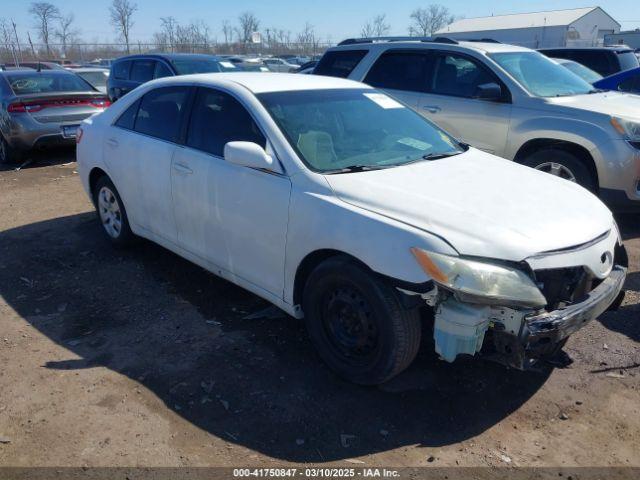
pixel 111 213
pixel 357 322
pixel 562 164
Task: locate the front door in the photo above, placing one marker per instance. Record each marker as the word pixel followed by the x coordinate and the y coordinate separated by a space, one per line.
pixel 235 217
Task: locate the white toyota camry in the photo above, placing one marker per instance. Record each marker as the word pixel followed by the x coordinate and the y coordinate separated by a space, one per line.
pixel 342 206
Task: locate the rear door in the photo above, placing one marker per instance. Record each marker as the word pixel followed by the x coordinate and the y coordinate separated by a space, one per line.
pixel 402 73
pixel 451 102
pixel 139 149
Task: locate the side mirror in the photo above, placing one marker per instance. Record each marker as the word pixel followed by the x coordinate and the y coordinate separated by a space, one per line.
pixel 491 92
pixel 249 154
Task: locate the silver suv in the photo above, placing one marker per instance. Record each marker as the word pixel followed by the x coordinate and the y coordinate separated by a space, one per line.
pixel 510 101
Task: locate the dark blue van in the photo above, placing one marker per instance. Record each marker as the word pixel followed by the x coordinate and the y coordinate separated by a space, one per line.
pixel 128 72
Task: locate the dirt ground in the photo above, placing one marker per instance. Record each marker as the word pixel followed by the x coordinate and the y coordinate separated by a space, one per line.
pixel 138 358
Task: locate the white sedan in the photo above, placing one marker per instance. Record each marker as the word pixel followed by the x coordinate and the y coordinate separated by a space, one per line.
pixel 341 205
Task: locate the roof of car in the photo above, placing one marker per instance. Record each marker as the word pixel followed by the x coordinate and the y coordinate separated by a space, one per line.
pixel 269 82
pixel 168 56
pixel 486 46
pixel 31 72
pixel 603 49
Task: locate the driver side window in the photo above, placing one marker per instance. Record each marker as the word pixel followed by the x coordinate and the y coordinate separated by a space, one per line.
pixel 216 119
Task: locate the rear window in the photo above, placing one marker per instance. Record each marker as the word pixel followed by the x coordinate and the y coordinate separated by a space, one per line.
pixel 160 112
pixel 339 63
pixel 121 70
pixel 142 70
pixel 42 82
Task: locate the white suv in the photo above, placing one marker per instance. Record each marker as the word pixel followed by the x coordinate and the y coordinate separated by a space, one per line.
pixel 510 101
pixel 335 202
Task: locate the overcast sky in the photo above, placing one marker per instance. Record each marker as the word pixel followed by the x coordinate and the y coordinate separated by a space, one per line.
pixel 336 19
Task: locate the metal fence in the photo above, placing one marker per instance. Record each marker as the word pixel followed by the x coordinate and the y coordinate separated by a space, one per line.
pixel 87 52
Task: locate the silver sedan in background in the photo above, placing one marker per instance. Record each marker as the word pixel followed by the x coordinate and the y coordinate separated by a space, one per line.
pixel 43 108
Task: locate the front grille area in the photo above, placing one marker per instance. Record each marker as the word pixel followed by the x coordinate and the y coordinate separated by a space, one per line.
pixel 564 286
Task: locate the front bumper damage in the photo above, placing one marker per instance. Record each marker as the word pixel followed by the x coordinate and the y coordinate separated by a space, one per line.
pixel 521 337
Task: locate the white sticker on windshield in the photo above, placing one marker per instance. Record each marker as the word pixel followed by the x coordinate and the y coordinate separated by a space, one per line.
pixel 415 143
pixel 227 65
pixel 383 100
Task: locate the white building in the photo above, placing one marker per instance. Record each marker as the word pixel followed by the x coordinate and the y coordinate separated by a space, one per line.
pixel 578 27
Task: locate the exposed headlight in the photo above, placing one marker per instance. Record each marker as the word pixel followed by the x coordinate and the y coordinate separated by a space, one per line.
pixel 480 282
pixel 628 128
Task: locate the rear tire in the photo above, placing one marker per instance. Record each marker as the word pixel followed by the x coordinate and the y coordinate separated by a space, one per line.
pixel 357 322
pixel 8 154
pixel 111 213
pixel 562 164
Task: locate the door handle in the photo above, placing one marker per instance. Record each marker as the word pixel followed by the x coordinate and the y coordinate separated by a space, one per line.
pixel 182 169
pixel 112 142
pixel 431 108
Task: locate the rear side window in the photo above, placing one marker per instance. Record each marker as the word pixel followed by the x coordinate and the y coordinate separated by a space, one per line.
pixel 216 119
pixel 627 60
pixel 162 71
pixel 160 112
pixel 459 76
pixel 339 63
pixel 128 117
pixel 142 70
pixel 121 70
pixel 400 71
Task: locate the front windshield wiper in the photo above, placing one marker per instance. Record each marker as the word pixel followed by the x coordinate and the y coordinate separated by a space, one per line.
pixel 434 156
pixel 596 90
pixel 357 168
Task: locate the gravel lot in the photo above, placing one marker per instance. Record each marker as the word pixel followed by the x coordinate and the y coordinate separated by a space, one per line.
pixel 138 358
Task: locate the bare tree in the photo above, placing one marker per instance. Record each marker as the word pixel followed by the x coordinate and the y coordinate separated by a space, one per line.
pixel 426 21
pixel 65 32
pixel 121 13
pixel 248 23
pixel 45 14
pixel 227 32
pixel 376 27
pixel 168 26
pixel 307 38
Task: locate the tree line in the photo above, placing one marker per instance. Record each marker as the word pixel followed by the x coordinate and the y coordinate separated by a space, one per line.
pixel 56 31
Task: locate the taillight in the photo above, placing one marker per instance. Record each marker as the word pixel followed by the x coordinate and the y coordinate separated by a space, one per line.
pixel 79 135
pixel 20 107
pixel 100 103
pixel 16 108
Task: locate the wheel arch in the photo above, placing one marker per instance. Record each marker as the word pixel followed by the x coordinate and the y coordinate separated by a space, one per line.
pixel 309 264
pixel 575 149
pixel 95 174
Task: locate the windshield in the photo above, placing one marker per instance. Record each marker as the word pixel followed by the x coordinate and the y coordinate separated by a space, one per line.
pixel 540 75
pixel 42 82
pixel 97 79
pixel 336 129
pixel 188 66
pixel 583 72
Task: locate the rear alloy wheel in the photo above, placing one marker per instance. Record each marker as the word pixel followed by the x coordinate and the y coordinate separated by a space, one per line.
pixel 8 154
pixel 562 164
pixel 111 212
pixel 357 322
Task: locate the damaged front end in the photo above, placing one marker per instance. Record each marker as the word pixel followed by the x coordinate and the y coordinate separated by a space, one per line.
pixel 522 325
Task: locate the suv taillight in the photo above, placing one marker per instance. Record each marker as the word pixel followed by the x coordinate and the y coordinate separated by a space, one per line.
pixel 79 135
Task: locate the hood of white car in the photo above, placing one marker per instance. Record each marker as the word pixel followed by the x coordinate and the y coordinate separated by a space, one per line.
pixel 481 204
pixel 617 104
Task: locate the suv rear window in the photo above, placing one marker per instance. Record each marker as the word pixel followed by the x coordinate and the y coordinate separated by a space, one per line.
pixel 339 63
pixel 121 70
